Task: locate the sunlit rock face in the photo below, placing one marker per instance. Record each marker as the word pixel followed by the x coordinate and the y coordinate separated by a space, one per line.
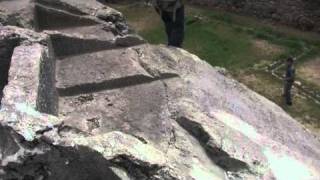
pixel 302 14
pixel 83 99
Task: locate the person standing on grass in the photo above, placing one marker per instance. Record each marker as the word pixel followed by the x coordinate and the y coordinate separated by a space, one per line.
pixel 289 80
pixel 172 14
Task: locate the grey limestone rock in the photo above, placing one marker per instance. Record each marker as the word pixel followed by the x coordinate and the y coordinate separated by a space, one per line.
pixel 78 105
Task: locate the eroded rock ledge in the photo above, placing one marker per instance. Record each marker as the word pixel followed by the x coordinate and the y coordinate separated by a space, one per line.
pixel 94 102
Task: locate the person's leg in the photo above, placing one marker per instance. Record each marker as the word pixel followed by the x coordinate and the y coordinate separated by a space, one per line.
pixel 178 29
pixel 288 93
pixel 285 91
pixel 168 23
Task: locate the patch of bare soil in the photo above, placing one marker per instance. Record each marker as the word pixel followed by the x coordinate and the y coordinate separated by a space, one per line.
pixel 310 71
pixel 260 85
pixel 267 48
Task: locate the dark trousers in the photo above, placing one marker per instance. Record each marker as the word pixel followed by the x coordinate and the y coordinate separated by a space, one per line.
pixel 287 92
pixel 174 26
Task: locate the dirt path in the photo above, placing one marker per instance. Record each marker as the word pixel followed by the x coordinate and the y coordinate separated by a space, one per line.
pixel 311 71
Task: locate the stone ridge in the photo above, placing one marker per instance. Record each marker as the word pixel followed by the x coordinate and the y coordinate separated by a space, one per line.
pixel 79 105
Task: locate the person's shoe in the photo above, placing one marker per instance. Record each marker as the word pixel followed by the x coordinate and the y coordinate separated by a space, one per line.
pixel 289 103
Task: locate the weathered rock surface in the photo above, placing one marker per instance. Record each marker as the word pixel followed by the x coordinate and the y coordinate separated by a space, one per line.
pixel 299 13
pixel 61 14
pixel 83 105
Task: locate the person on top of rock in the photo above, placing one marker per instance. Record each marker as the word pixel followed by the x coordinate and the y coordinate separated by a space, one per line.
pixel 289 80
pixel 172 14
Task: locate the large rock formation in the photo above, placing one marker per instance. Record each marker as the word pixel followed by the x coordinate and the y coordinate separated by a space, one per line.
pixel 299 13
pixel 83 100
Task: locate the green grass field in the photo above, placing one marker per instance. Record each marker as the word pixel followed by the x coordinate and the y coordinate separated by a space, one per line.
pixel 242 45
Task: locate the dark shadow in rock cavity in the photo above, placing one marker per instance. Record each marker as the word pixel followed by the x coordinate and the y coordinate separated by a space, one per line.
pixel 110 84
pixel 138 170
pixel 216 154
pixel 103 1
pixel 65 46
pixel 60 5
pixel 47 99
pixel 49 162
pixel 7 46
pixel 63 163
pixel 54 19
pixel 8 145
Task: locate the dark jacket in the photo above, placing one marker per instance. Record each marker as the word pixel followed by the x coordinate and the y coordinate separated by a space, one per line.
pixel 290 74
pixel 168 6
